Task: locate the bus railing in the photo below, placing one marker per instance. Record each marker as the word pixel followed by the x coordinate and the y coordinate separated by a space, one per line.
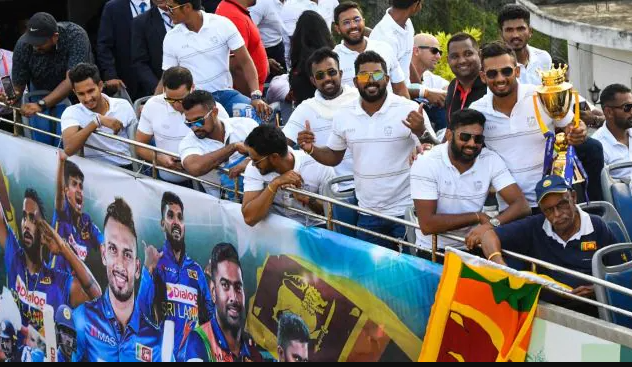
pixel 434 252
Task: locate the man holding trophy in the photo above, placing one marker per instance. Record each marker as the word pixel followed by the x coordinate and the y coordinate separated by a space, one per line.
pixel 520 125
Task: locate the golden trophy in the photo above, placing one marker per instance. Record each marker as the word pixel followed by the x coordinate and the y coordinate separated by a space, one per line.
pixel 556 96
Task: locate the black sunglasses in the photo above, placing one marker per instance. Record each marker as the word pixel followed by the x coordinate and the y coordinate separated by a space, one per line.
pixel 478 139
pixel 433 50
pixel 506 72
pixel 320 75
pixel 626 107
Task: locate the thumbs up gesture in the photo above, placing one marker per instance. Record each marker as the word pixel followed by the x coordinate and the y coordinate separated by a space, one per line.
pixel 306 139
pixel 415 121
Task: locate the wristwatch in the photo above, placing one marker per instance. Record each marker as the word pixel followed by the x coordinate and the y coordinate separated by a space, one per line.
pixel 495 222
pixel 256 95
pixel 42 104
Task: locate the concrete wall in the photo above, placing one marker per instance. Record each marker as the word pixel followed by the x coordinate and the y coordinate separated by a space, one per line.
pixel 612 66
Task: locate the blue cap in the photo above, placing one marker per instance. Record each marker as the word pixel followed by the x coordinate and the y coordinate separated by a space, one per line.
pixel 551 185
pixel 7 331
pixel 63 317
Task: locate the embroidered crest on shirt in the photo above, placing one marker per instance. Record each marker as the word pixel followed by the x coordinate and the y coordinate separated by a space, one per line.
pixel 143 353
pixel 531 121
pixel 589 246
pixel 193 274
pixel 388 131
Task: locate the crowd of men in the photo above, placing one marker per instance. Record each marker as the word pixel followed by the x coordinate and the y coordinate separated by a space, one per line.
pixel 373 120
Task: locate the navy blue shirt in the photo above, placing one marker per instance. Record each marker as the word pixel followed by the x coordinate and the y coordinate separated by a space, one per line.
pixel 528 237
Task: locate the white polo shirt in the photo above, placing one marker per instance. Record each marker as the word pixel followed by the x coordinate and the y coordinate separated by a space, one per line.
pixel 120 109
pixel 292 10
pixel 434 177
pixel 586 228
pixel 518 139
pixel 326 10
pixel 267 17
pixel 315 177
pixel 166 125
pixel 237 130
pixel 205 53
pixel 615 152
pixel 538 60
pixel 434 81
pixel 320 114
pixel 401 40
pixel 348 58
pixel 381 146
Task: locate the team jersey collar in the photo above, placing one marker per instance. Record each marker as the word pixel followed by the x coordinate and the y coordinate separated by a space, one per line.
pixel 221 340
pixel 108 311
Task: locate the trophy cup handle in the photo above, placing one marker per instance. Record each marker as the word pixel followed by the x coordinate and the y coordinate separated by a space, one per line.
pixel 577 113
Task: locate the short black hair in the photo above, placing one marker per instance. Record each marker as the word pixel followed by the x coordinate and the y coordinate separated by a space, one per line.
pixel 321 55
pixel 169 198
pixel 196 4
pixel 343 7
pixel 609 94
pixel 466 117
pixel 84 71
pixel 404 4
pixel 72 170
pixel 513 12
pixel 30 193
pixel 223 252
pixel 121 212
pixel 370 57
pixel 267 140
pixel 177 76
pixel 291 328
pixel 460 37
pixel 495 49
pixel 199 97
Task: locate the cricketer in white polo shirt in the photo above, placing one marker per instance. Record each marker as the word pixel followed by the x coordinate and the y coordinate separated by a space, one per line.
pixel 381 130
pixel 450 184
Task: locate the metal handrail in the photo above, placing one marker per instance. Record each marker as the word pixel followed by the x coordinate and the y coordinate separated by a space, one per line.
pixel 330 221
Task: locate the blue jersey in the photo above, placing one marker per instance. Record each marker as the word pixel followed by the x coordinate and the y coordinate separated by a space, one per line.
pixel 87 236
pixel 33 291
pixel 99 336
pixel 181 292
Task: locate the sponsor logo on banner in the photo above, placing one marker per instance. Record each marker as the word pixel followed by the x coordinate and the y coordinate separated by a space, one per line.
pixel 102 337
pixel 144 353
pixel 33 299
pixel 182 293
pixel 193 274
pixel 82 251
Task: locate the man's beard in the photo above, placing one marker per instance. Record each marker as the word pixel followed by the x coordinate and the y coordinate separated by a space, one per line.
pixel 353 42
pixel 624 124
pixel 372 98
pixel 121 296
pixel 228 322
pixel 460 156
pixel 176 244
pixel 34 252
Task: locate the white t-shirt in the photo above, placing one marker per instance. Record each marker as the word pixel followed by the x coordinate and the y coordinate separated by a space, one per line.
pixel 120 109
pixel 615 152
pixel 320 117
pixel 315 177
pixel 402 40
pixel 518 139
pixel 166 125
pixel 433 177
pixel 267 17
pixel 326 10
pixel 205 53
pixel 6 65
pixel 434 81
pixel 348 58
pixel 237 130
pixel 381 146
pixel 291 12
pixel 538 60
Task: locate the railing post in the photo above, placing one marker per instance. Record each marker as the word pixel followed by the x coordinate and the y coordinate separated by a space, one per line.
pixel 435 245
pixel 330 216
pixel 237 189
pixel 15 122
pixel 154 162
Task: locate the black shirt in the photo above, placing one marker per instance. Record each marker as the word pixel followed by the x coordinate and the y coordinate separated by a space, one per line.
pixel 458 98
pixel 47 71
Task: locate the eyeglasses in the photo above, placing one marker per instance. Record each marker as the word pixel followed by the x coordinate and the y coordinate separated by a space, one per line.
pixel 478 139
pixel 199 122
pixel 433 50
pixel 626 107
pixel 365 76
pixel 347 22
pixel 256 164
pixel 174 100
pixel 506 72
pixel 172 8
pixel 320 75
pixel 561 206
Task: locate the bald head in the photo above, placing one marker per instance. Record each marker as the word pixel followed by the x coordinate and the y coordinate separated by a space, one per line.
pixel 427 52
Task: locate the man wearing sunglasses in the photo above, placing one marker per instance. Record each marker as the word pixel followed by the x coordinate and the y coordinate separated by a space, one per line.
pixel 451 183
pixel 616 134
pixel 380 129
pixel 318 112
pixel 349 23
pixel 213 142
pixel 512 128
pixel 163 120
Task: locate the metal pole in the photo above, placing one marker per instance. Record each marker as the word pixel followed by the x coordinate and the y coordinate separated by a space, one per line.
pixel 236 182
pixel 15 122
pixel 154 163
pixel 330 216
pixel 435 245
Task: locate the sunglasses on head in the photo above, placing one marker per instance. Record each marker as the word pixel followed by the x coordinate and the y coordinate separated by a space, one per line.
pixel 506 72
pixel 433 50
pixel 478 139
pixel 626 107
pixel 321 75
pixel 198 122
pixel 365 76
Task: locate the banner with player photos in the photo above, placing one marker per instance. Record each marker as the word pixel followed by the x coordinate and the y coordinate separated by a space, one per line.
pixel 297 293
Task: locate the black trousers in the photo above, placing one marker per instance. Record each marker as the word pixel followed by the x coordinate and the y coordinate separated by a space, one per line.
pixel 591 155
pixel 276 53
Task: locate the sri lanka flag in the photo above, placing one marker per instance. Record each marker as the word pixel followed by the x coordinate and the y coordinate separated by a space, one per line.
pixel 483 312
